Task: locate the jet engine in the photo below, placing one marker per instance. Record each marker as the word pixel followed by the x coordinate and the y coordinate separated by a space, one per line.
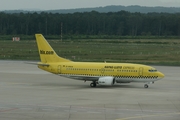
pixel 108 80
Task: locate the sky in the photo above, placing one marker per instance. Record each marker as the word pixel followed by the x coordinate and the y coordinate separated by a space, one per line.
pixel 70 4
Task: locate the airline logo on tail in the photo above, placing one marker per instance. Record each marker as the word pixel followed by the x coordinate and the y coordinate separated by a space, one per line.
pixel 46 52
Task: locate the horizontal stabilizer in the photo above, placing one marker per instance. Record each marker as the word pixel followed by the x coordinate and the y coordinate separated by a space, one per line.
pixel 43 64
pixel 37 63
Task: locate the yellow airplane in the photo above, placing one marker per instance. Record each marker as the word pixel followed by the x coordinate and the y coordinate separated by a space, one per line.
pixel 98 73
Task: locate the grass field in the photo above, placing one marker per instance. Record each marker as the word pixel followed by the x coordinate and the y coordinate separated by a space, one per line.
pixel 162 52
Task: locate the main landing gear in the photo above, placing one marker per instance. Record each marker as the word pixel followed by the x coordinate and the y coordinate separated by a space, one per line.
pixel 93 84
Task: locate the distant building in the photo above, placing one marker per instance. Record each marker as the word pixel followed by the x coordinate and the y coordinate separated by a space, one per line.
pixel 16 39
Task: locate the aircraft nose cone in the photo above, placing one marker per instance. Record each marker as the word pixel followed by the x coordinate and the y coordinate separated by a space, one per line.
pixel 161 75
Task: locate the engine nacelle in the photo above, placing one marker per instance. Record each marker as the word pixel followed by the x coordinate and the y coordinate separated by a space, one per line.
pixel 108 80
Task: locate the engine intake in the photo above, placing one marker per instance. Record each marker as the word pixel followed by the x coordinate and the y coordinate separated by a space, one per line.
pixel 108 80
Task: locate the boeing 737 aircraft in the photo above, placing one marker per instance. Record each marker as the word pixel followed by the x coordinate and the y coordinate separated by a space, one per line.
pixel 98 73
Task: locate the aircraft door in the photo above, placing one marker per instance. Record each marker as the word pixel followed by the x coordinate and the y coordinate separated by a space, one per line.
pixel 140 71
pixel 59 69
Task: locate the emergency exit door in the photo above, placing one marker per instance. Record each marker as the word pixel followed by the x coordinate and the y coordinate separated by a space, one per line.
pixel 140 71
pixel 59 69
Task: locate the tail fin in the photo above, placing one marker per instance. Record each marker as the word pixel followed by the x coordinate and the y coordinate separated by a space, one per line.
pixel 46 52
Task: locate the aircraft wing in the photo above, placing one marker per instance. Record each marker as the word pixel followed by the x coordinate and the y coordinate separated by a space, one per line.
pixel 82 77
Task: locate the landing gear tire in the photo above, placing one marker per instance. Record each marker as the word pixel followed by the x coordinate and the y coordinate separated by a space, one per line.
pixel 146 86
pixel 93 84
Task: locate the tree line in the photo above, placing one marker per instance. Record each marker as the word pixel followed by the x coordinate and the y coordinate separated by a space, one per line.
pixel 120 23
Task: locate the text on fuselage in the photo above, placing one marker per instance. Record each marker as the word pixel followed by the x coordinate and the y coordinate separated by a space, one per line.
pixel 119 67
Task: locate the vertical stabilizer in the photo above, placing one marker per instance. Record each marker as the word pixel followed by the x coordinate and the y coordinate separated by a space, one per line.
pixel 46 52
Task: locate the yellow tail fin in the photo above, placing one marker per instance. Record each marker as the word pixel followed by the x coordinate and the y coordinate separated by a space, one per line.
pixel 46 52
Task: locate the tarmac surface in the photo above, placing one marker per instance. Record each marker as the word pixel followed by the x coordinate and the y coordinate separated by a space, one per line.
pixel 28 93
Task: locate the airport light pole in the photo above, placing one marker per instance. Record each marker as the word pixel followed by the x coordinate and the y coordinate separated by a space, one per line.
pixel 61 30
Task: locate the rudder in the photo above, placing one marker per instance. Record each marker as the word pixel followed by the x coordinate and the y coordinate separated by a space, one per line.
pixel 46 52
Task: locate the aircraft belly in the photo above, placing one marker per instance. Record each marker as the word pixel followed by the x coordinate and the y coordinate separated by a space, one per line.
pixel 124 80
pixel 117 79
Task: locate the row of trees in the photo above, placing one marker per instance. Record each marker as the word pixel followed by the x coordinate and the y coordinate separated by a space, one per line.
pixel 91 23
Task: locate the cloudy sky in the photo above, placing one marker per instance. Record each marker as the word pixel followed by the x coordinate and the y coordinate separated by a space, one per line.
pixel 67 4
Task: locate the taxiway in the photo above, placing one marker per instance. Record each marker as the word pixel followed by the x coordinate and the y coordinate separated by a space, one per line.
pixel 27 92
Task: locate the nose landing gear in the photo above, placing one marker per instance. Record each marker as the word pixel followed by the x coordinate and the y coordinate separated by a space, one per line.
pixel 146 86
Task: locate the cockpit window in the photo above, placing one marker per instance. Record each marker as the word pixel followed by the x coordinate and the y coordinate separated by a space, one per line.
pixel 152 70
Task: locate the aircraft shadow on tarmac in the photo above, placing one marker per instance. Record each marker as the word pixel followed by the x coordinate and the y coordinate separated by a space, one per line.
pixel 85 86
